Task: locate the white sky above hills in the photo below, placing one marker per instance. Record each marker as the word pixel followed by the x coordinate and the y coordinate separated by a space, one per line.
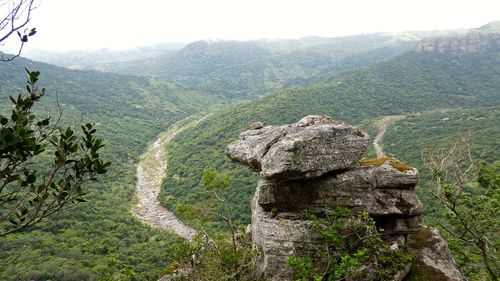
pixel 123 24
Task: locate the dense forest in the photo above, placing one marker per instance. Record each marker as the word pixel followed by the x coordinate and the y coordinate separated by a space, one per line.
pixel 406 84
pixel 100 238
pixel 359 79
pixel 240 70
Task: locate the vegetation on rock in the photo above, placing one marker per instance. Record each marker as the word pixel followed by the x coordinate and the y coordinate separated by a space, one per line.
pixel 354 249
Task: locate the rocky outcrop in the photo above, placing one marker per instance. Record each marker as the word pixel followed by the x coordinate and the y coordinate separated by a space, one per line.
pixel 310 165
pixel 309 148
pixel 470 43
pixel 433 260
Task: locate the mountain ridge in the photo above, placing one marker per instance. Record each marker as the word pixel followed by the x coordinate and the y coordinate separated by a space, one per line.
pixel 409 83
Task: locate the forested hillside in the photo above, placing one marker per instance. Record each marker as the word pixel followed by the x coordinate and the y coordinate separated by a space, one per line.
pixel 100 238
pixel 420 133
pixel 438 85
pixel 247 69
pixel 407 84
pixel 98 59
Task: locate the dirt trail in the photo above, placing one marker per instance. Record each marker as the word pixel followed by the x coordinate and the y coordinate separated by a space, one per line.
pixel 382 128
pixel 152 168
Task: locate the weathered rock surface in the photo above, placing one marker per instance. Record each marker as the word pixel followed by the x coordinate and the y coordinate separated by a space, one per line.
pixel 433 257
pixel 280 230
pixel 280 236
pixel 361 188
pixel 309 148
pixel 310 166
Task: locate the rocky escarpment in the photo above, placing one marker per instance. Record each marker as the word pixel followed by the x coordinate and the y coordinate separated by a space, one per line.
pixel 470 43
pixel 312 165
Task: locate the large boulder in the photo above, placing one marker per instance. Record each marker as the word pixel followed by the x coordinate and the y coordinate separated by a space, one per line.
pixel 309 148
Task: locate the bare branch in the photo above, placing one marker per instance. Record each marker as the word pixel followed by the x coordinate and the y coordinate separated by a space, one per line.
pixel 453 169
pixel 15 18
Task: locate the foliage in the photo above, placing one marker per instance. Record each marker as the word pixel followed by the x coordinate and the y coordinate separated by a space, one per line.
pixel 128 112
pixel 214 207
pixel 17 16
pixel 406 84
pixel 469 209
pixel 352 241
pixel 214 256
pixel 29 193
pixel 101 240
pixel 241 70
pixel 304 269
pixel 427 131
pixel 216 259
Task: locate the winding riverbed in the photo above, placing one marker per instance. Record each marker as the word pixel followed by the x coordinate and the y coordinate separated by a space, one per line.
pixel 382 128
pixel 151 169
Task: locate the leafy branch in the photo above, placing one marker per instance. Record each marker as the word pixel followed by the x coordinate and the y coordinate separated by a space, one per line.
pixel 33 185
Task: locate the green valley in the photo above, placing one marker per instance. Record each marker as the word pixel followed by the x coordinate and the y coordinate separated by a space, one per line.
pixel 409 83
pixel 179 106
pixel 99 239
pixel 242 70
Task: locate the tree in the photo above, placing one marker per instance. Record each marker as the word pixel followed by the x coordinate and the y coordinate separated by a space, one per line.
pixel 469 191
pixel 214 256
pixel 16 15
pixel 214 206
pixel 42 166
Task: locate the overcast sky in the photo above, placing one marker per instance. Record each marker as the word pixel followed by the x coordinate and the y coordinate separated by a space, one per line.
pixel 122 24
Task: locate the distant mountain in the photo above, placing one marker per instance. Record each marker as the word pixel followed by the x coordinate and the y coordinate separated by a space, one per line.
pixel 96 58
pixel 416 81
pixel 492 27
pixel 475 40
pixel 246 69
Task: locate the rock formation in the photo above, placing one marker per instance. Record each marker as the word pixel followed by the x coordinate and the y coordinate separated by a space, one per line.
pixel 309 148
pixel 310 165
pixel 470 43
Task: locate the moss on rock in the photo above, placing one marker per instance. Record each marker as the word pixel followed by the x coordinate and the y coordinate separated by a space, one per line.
pixel 395 163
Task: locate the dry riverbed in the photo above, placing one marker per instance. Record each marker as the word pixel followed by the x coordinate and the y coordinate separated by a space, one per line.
pixel 151 169
pixel 385 122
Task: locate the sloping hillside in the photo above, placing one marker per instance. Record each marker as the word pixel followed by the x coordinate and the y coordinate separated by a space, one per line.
pixel 99 238
pixel 412 82
pixel 246 69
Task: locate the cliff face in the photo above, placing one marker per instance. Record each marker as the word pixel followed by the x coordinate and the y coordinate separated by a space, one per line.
pixel 473 42
pixel 312 165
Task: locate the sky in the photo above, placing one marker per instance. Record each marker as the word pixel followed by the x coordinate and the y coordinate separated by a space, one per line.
pixel 124 24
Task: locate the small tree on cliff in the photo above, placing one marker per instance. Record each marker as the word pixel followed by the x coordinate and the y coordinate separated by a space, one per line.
pixel 470 193
pixel 42 166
